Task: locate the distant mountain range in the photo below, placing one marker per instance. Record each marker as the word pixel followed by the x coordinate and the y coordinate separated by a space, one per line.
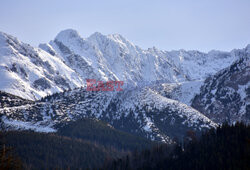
pixel 68 60
pixel 165 93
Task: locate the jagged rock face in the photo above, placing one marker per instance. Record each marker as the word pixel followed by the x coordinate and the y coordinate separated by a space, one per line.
pixel 114 57
pixel 69 59
pixel 31 72
pixel 226 95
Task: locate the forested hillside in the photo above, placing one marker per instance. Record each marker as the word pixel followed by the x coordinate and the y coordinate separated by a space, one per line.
pixel 227 147
pixel 85 143
pixel 50 151
pixel 104 134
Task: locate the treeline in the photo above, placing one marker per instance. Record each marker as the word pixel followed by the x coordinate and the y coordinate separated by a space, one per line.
pixel 227 147
pixel 102 133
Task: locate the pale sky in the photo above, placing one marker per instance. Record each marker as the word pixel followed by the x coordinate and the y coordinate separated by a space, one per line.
pixel 168 25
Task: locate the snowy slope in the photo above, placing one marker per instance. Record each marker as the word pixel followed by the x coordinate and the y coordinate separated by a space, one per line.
pixel 140 111
pixel 226 95
pixel 183 92
pixel 197 65
pixel 31 72
pixel 69 59
pixel 114 57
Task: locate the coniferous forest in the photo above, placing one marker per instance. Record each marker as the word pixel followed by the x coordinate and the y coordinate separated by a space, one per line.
pixel 227 147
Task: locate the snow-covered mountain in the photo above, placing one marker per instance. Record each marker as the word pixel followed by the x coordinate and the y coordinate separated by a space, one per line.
pixel 31 72
pixel 159 86
pixel 69 59
pixel 140 111
pixel 226 95
pixel 114 57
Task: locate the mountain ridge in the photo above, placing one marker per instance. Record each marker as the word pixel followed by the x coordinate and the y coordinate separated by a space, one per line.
pixel 159 86
pixel 100 57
